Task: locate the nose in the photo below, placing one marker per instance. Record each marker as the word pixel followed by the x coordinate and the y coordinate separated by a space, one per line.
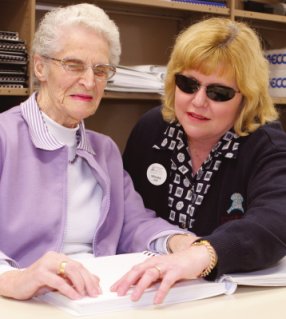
pixel 200 97
pixel 88 78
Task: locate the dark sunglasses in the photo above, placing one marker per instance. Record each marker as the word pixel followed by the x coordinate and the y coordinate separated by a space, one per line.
pixel 215 92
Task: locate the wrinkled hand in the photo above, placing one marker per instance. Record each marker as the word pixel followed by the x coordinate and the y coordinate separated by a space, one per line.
pixel 42 276
pixel 187 264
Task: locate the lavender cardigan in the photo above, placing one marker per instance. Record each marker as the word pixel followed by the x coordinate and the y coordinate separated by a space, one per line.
pixel 33 191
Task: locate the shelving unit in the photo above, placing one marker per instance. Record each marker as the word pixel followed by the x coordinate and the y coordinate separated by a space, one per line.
pixel 141 24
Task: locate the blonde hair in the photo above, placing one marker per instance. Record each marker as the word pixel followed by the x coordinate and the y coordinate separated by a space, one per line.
pixel 234 45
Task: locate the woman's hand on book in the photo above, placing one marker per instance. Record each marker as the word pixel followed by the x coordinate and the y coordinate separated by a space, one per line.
pixel 52 272
pixel 168 269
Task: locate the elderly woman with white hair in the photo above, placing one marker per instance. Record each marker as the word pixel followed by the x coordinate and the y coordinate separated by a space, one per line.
pixel 72 194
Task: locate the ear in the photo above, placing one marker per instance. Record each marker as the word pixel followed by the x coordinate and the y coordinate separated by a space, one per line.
pixel 40 68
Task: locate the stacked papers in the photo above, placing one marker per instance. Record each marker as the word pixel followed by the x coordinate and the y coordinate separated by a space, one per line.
pixel 139 78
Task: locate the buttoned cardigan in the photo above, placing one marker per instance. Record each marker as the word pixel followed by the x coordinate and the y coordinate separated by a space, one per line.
pixel 246 237
pixel 33 191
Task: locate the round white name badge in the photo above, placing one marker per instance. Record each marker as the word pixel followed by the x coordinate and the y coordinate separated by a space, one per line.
pixel 156 174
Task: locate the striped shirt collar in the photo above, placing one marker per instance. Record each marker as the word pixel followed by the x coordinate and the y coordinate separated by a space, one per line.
pixel 39 132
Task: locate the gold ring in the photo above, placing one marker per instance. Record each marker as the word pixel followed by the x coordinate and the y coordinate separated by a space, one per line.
pixel 159 270
pixel 62 268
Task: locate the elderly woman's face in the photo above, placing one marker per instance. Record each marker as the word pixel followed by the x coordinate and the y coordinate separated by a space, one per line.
pixel 66 96
pixel 201 111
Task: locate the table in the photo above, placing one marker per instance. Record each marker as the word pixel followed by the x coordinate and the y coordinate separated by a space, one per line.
pixel 245 303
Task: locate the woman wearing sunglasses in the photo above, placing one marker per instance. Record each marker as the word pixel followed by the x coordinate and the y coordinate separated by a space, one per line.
pixel 212 159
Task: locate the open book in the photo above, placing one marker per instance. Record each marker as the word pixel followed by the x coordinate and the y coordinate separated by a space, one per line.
pixel 111 268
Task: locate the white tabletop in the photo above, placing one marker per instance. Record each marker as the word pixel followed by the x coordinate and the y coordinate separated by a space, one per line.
pixel 246 302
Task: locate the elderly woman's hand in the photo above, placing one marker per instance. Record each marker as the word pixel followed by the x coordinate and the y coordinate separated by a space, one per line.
pixel 53 271
pixel 187 264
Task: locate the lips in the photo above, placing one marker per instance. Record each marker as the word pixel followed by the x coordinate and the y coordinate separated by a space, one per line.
pixel 197 116
pixel 84 97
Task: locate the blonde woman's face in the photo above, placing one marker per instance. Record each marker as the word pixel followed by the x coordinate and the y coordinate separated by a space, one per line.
pixel 203 119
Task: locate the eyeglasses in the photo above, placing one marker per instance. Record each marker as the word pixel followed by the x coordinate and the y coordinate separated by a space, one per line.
pixel 102 72
pixel 215 92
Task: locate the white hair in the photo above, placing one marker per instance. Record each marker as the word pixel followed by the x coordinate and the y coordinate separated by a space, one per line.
pixel 48 35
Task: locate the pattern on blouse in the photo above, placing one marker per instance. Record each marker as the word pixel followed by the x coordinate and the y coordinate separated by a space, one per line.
pixel 187 191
